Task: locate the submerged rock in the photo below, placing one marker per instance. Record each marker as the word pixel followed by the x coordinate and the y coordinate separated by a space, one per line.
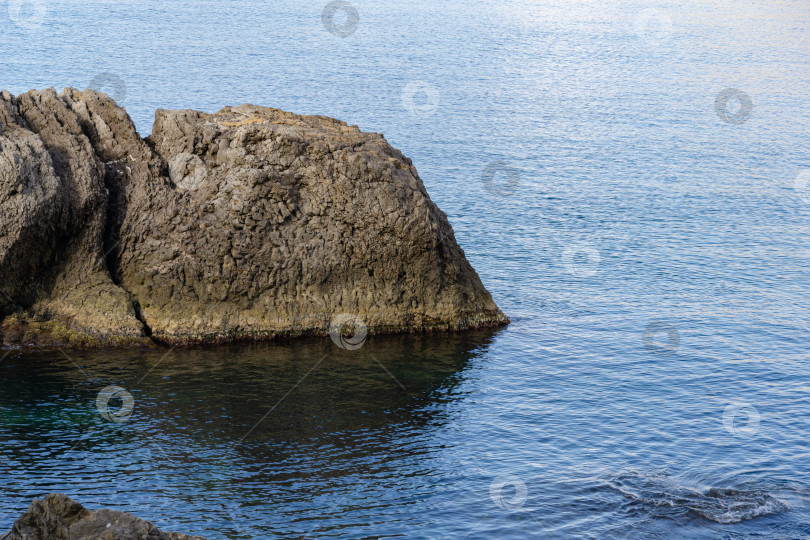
pixel 58 517
pixel 249 223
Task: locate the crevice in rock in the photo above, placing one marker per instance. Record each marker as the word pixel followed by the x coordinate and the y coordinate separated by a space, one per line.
pixel 112 239
pixel 138 315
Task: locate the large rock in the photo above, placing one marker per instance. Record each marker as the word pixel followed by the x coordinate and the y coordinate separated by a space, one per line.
pixel 248 223
pixel 53 209
pixel 58 517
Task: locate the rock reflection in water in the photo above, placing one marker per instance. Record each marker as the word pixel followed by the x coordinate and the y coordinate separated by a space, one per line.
pixel 287 422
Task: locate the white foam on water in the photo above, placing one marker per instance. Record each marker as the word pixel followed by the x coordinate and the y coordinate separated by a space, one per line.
pixel 721 505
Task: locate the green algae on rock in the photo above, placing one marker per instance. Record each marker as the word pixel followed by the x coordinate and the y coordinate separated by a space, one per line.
pixel 251 223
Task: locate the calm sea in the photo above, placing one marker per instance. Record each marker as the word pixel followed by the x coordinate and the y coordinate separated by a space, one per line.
pixel 631 181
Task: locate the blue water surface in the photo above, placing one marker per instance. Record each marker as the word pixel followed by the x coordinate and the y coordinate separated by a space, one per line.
pixel 648 240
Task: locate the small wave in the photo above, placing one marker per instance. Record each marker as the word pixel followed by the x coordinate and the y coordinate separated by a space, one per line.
pixel 733 506
pixel 659 491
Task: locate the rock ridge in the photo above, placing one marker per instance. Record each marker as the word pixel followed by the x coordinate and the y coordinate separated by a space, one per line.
pixel 58 517
pixel 249 223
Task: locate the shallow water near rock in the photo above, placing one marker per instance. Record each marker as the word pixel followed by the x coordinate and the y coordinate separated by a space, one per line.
pixel 651 254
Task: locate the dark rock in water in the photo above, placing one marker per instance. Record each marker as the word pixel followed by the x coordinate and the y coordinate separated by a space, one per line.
pixel 729 506
pixel 250 223
pixel 58 517
pixel 664 497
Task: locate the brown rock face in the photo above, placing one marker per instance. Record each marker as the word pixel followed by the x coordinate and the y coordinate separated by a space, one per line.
pixel 58 517
pixel 245 224
pixel 53 205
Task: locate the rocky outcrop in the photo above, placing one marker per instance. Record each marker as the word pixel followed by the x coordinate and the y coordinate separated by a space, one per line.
pixel 245 224
pixel 58 517
pixel 53 203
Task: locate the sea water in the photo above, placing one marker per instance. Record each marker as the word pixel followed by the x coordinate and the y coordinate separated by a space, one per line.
pixel 631 181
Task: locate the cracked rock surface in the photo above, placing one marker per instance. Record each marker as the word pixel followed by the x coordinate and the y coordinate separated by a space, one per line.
pixel 250 223
pixel 58 517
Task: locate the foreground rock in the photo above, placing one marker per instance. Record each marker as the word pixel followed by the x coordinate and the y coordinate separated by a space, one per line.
pixel 250 223
pixel 58 517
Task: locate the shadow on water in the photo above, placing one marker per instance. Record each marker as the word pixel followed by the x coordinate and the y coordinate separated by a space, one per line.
pixel 287 422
